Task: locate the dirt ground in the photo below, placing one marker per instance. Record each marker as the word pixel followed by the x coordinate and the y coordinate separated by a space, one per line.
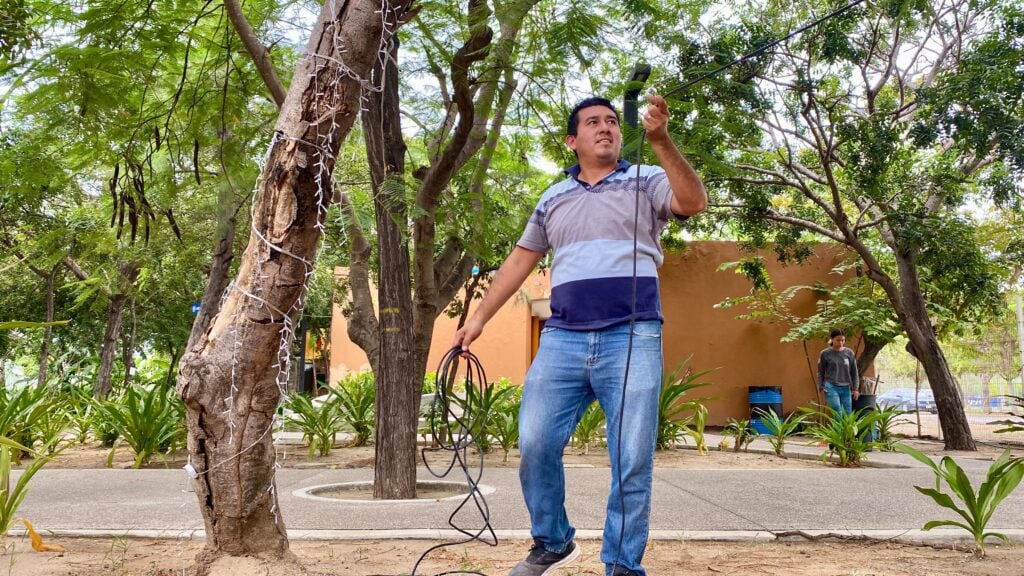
pixel 122 557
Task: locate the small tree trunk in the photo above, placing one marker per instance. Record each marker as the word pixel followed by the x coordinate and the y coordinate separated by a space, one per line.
pixel 230 375
pixel 223 255
pixel 44 352
pixel 115 311
pixel 868 354
pixel 397 391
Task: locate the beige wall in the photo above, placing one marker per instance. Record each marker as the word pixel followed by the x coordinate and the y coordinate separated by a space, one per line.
pixel 742 353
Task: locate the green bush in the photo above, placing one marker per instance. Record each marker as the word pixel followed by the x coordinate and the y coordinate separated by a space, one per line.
pixel 848 434
pixel 888 418
pixel 319 425
pixel 780 430
pixel 150 419
pixel 504 427
pixel 588 430
pixel 675 416
pixel 742 431
pixel 354 398
pixel 479 406
pixel 1001 480
pixel 11 497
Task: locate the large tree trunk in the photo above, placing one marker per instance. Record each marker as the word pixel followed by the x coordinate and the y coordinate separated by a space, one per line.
pixel 128 348
pixel 115 312
pixel 230 376
pixel 913 316
pixel 398 381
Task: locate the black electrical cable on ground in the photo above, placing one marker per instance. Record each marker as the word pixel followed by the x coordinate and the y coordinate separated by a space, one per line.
pixel 455 433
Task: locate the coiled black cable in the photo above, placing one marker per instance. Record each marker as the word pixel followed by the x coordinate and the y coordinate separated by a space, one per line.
pixel 454 432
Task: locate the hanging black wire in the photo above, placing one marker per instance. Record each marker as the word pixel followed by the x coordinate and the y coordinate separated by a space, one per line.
pixel 455 432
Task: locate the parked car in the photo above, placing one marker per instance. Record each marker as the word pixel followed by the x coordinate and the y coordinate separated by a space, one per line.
pixel 904 398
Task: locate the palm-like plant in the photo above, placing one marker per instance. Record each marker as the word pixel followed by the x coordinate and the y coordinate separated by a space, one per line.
pixel 479 406
pixel 354 399
pixel 742 431
pixel 1002 479
pixel 848 434
pixel 82 411
pixel 504 428
pixel 319 424
pixel 674 414
pixel 589 429
pixel 780 430
pixel 150 419
pixel 11 497
pixel 888 418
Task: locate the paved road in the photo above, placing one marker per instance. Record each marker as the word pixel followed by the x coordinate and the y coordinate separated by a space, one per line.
pixel 697 503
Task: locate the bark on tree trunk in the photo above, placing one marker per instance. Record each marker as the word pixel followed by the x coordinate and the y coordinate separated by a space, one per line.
pixel 229 376
pixel 868 354
pixel 398 383
pixel 44 352
pixel 913 313
pixel 128 347
pixel 115 312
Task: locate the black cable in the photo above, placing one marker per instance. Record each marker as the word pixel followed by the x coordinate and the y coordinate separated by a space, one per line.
pixel 763 49
pixel 452 432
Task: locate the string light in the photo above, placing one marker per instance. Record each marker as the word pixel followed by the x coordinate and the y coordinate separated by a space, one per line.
pixel 329 73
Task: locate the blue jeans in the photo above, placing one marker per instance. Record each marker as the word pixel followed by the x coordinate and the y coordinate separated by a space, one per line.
pixel 839 398
pixel 572 368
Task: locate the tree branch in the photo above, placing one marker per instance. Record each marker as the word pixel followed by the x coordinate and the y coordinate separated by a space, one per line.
pixel 257 51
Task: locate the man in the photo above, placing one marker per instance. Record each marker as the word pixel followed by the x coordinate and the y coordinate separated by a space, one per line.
pixel 587 221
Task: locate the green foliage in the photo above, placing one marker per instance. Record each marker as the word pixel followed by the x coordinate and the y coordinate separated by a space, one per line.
pixel 479 406
pixel 888 418
pixel 1015 424
pixel 780 430
pixel 588 430
pixel 21 412
pixel 1001 480
pixel 150 419
pixel 354 398
pixel 504 427
pixel 675 415
pixel 742 431
pixel 319 424
pixel 11 497
pixel 82 412
pixel 848 434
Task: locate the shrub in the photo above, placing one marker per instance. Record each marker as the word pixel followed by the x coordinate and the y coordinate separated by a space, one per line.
pixel 504 428
pixel 888 418
pixel 1002 479
pixel 150 419
pixel 848 435
pixel 674 414
pixel 479 405
pixel 11 498
pixel 589 428
pixel 354 398
pixel 743 433
pixel 779 430
pixel 319 424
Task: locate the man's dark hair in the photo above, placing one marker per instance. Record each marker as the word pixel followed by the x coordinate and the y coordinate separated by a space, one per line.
pixel 587 103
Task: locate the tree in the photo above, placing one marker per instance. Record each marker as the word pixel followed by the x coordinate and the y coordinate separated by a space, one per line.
pixel 835 140
pixel 230 377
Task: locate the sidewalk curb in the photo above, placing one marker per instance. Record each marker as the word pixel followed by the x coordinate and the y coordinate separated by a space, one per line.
pixel 915 537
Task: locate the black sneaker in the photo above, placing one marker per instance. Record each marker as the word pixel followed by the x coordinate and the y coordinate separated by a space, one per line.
pixel 620 571
pixel 540 562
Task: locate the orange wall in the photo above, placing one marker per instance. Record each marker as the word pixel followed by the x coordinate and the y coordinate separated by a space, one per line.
pixel 742 353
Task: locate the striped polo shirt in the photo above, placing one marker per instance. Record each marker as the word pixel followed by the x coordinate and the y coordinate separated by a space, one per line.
pixel 589 230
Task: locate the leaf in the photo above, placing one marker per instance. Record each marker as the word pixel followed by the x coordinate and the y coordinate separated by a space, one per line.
pixel 37 541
